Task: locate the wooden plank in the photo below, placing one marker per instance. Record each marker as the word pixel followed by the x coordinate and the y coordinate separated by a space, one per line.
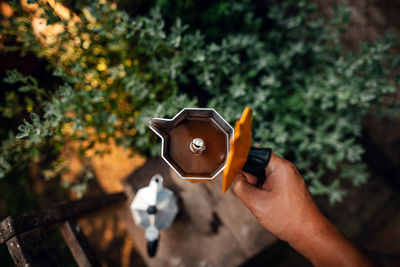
pixel 202 234
pixel 31 249
pixel 78 244
pixel 236 216
pixel 63 211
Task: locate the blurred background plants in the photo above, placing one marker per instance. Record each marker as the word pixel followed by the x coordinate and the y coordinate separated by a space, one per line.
pixel 113 67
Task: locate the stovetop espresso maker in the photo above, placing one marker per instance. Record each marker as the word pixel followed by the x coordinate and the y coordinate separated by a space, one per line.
pixel 198 144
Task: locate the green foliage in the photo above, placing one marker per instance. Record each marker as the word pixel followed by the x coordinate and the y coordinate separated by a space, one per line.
pixel 115 70
pixel 308 93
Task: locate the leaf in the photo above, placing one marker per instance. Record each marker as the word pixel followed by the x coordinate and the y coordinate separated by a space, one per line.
pixel 336 196
pixel 34 117
pixel 13 76
pixel 25 89
pixel 21 135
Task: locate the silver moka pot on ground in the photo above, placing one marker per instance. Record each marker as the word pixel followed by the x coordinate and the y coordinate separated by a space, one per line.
pixel 154 208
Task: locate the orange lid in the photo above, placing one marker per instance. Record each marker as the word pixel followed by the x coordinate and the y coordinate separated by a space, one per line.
pixel 239 150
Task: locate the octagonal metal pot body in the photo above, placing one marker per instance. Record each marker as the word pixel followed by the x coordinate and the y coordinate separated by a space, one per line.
pixel 195 142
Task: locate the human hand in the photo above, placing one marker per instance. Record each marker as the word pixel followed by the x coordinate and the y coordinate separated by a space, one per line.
pixel 284 206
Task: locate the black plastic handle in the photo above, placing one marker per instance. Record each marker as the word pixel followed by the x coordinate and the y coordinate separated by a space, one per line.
pixel 152 248
pixel 256 162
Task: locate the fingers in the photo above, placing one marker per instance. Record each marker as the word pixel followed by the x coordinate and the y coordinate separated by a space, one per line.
pixel 251 179
pixel 273 164
pixel 246 190
pixel 248 193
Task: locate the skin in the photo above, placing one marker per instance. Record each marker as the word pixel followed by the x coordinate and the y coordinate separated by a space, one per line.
pixel 284 206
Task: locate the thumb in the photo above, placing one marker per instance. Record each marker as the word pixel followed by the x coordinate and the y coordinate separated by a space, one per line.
pixel 248 193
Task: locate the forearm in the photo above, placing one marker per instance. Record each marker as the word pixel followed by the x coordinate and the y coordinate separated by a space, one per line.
pixel 324 245
pixel 284 206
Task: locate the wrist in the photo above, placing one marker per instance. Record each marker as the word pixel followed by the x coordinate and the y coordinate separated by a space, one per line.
pixel 314 227
pixel 317 239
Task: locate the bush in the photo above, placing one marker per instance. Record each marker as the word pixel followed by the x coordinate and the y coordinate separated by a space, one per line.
pixel 113 80
pixel 307 92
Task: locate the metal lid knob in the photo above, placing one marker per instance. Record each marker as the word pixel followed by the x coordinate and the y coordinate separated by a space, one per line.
pixel 197 145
